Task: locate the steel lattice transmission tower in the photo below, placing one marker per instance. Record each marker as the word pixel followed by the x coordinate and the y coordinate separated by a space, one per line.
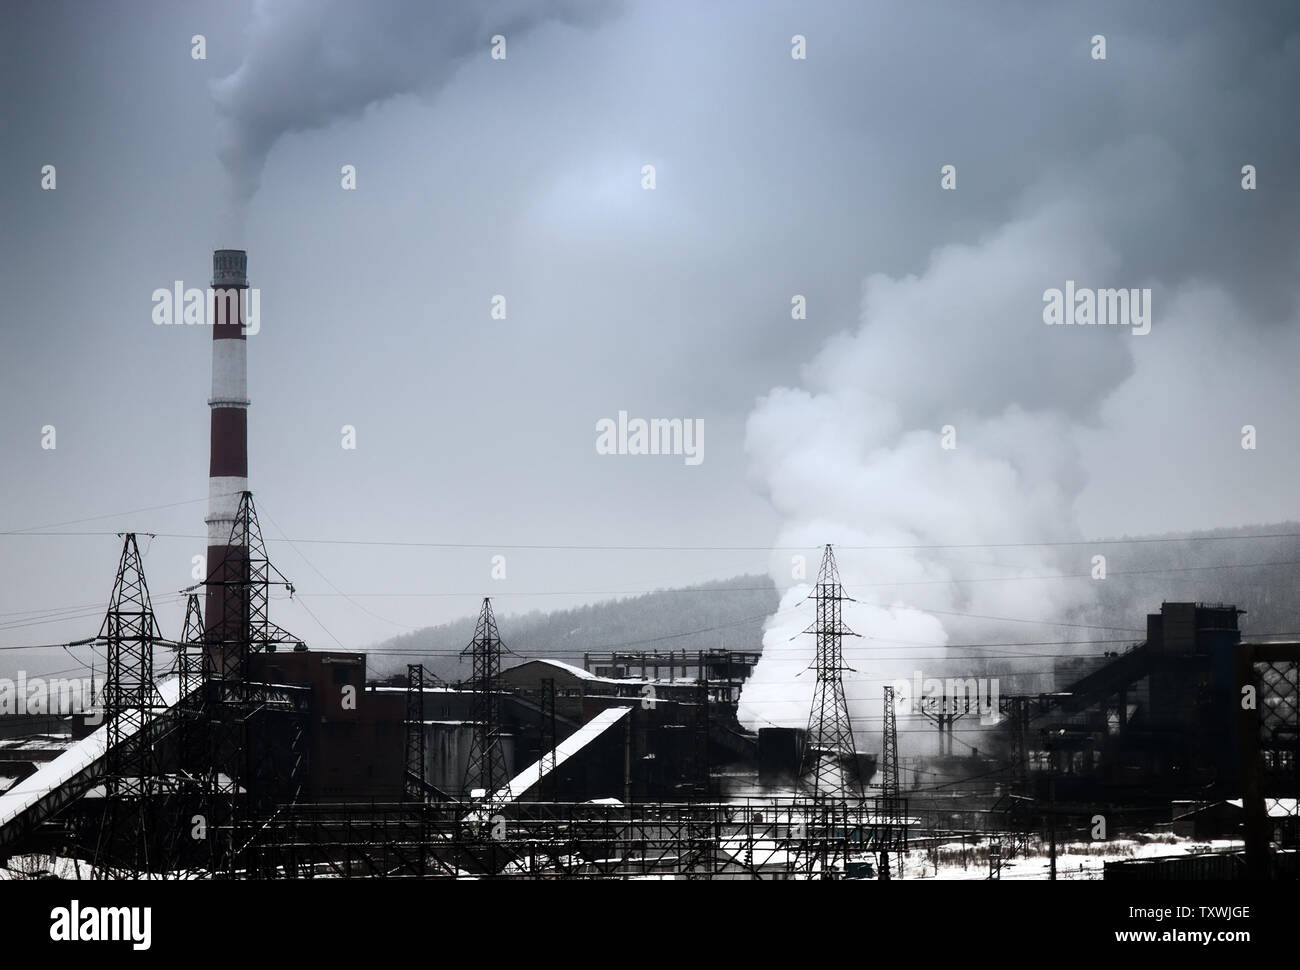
pixel 1020 814
pixel 131 700
pixel 245 576
pixel 247 772
pixel 829 767
pixel 487 762
pixel 892 840
pixel 190 655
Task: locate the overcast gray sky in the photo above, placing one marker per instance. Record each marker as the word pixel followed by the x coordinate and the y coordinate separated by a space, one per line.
pixel 775 176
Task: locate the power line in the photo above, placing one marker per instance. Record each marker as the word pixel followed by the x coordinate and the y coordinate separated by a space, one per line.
pixel 756 589
pixel 54 609
pixel 77 613
pixel 575 547
pixel 331 586
pixel 108 515
pixel 41 615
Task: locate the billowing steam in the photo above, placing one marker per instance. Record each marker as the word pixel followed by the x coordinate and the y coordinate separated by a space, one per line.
pixel 313 62
pixel 855 458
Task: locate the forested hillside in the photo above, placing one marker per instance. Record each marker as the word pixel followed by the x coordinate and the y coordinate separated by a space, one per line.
pixel 1260 574
pixel 727 613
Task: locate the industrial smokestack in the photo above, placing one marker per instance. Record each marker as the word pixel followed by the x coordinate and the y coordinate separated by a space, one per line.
pixel 228 465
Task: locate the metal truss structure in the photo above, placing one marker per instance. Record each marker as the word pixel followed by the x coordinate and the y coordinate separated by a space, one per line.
pixel 547 840
pixel 727 670
pixel 944 712
pixel 486 769
pixel 995 858
pixel 131 701
pixel 1268 735
pixel 257 757
pixel 1017 708
pixel 894 838
pixel 187 794
pixel 702 852
pixel 413 786
pixel 1018 807
pixel 211 785
pixel 191 658
pixel 829 766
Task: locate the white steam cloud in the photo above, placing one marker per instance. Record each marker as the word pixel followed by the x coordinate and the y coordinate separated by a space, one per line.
pixel 313 62
pixel 854 458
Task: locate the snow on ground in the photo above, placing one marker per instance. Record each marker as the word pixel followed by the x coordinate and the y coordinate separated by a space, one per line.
pixel 1074 860
pixel 43 867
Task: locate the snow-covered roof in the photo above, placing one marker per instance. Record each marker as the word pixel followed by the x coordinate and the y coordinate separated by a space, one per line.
pixel 560 664
pixel 580 673
pixel 565 750
pixel 35 743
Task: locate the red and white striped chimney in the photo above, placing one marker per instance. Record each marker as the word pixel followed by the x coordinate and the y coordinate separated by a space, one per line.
pixel 228 467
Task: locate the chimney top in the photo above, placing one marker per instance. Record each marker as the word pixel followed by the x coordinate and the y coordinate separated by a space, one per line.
pixel 229 268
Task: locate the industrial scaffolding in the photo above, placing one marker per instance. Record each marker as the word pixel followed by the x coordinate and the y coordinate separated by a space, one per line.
pixel 767 839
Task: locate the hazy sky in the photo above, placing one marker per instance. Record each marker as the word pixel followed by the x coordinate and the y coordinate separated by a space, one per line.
pixel 775 176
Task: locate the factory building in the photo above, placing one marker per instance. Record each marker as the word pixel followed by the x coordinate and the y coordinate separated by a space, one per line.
pixel 271 724
pixel 1149 722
